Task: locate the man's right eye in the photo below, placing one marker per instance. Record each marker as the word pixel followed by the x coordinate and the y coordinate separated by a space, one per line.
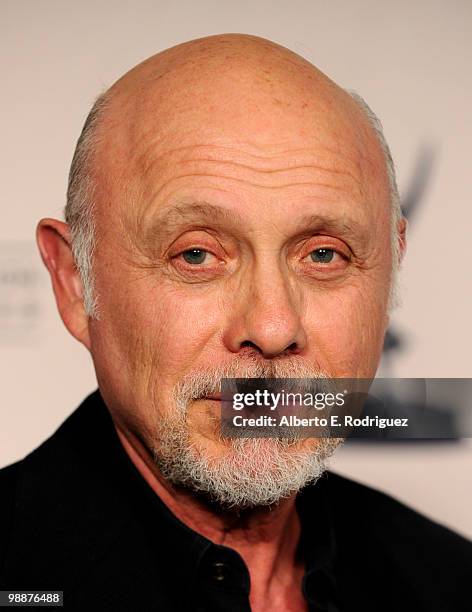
pixel 199 257
pixel 195 256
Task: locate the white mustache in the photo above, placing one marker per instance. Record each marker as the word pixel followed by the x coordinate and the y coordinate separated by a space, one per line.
pixel 206 382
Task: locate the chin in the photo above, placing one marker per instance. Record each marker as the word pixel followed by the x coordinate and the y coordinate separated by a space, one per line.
pixel 245 472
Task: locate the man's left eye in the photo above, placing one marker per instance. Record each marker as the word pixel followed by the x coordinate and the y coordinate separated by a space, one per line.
pixel 323 255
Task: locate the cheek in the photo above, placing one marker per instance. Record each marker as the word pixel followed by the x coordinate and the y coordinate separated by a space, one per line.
pixel 146 339
pixel 346 329
pixel 158 331
pixel 187 322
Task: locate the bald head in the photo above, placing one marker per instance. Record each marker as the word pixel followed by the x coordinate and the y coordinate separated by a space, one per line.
pixel 228 99
pixel 229 82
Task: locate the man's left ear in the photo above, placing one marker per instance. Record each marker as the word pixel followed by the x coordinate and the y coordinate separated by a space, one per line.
pixel 401 233
pixel 54 244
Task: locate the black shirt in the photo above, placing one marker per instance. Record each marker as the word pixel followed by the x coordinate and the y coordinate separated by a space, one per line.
pixel 76 516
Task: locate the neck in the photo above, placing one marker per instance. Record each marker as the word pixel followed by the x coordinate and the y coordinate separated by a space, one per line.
pixel 265 537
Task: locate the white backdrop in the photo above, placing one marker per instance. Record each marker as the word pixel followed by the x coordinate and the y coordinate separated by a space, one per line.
pixel 411 61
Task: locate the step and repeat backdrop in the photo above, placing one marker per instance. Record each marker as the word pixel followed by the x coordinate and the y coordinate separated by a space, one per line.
pixel 410 61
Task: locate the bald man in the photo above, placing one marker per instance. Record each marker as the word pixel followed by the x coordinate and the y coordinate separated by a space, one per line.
pixel 231 212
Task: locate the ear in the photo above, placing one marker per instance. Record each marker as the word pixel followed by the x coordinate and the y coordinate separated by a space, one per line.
pixel 401 233
pixel 54 244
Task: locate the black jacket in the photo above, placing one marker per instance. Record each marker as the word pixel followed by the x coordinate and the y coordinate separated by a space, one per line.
pixel 76 516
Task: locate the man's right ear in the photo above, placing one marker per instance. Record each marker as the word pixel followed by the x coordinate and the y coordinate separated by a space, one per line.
pixel 54 244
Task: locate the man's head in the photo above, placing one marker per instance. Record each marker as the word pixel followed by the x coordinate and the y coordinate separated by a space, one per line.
pixel 234 208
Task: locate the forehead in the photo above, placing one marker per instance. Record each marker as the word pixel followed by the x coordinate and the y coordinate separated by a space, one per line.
pixel 291 137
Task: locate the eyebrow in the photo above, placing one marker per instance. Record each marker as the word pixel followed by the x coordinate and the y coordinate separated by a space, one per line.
pixel 166 222
pixel 183 212
pixel 339 225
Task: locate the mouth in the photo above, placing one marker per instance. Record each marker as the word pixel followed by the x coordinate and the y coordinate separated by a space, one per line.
pixel 216 397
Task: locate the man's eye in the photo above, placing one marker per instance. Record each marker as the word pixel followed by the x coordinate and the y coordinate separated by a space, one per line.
pixel 195 256
pixel 322 255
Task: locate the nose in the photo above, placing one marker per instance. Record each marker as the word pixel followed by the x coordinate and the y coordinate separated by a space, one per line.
pixel 267 317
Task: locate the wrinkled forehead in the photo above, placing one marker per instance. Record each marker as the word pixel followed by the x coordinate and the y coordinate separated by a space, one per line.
pixel 267 113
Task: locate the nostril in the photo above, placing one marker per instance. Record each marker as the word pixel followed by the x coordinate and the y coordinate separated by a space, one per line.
pixel 293 348
pixel 249 344
pixel 253 349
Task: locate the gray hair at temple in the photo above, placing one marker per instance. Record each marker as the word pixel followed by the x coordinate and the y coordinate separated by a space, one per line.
pixel 81 200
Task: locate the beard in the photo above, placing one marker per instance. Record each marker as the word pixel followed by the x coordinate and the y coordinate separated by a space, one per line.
pixel 247 472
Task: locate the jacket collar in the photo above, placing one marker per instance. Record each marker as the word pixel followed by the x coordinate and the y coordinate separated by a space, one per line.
pixel 82 506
